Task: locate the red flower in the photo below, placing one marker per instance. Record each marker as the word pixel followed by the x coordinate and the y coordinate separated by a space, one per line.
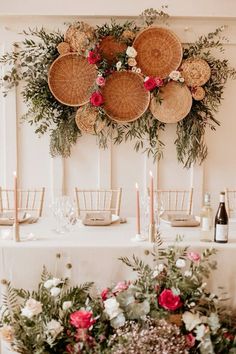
pixel 104 294
pixel 159 81
pixel 93 57
pixel 228 336
pixel 194 256
pixel 150 83
pixel 169 301
pixel 190 340
pixel 96 99
pixel 82 319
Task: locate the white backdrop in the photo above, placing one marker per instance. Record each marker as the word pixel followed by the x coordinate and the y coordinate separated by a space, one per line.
pixel 118 166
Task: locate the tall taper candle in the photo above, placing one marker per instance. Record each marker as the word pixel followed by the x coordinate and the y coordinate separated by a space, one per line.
pixel 16 221
pixel 137 210
pixel 151 199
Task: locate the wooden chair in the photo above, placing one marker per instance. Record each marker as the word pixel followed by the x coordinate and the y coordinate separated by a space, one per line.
pixel 98 200
pixel 230 202
pixel 30 200
pixel 175 201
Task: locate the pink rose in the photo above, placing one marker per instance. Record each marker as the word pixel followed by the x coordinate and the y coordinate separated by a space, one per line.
pixel 190 340
pixel 96 99
pixel 105 293
pixel 150 83
pixel 82 319
pixel 159 81
pixel 93 57
pixel 120 286
pixel 194 256
pixel 100 81
pixel 168 300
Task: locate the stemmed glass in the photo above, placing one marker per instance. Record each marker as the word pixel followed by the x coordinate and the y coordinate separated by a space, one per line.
pixel 63 209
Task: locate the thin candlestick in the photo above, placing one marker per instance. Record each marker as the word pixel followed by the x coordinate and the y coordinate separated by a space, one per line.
pixel 16 220
pixel 151 199
pixel 137 210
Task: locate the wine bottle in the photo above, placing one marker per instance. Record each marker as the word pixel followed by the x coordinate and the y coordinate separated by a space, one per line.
pixel 221 222
pixel 206 219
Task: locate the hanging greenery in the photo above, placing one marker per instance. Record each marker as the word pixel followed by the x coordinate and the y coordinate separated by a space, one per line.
pixel 113 49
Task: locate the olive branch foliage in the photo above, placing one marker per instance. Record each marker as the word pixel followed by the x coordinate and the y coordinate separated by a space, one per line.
pixel 30 61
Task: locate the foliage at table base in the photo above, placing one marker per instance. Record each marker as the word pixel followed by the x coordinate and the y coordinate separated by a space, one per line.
pixel 166 309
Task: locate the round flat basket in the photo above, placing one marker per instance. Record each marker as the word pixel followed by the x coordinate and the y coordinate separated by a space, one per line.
pixel 175 105
pixel 125 96
pixel 110 47
pixel 86 120
pixel 159 51
pixel 195 71
pixel 70 79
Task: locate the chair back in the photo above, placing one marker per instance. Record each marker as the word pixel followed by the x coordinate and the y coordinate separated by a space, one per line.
pixel 172 201
pixel 30 200
pixel 230 202
pixel 98 200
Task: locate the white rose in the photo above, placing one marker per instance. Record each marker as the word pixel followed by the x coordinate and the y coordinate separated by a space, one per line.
pixel 131 52
pixel 32 308
pixel 118 321
pixel 112 307
pixel 55 291
pixel 174 75
pixel 161 267
pixel 191 320
pixel 7 333
pixel 180 263
pixel 118 65
pixel 48 284
pixel 188 273
pixel 66 305
pixel 53 328
pixel 200 332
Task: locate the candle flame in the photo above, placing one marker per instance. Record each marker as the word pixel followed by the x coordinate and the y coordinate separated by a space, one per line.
pixel 136 185
pixel 150 173
pixel 14 173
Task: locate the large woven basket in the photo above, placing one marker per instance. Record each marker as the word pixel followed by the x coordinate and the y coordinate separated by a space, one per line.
pixel 159 51
pixel 175 104
pixel 125 97
pixel 110 47
pixel 71 78
pixel 195 71
pixel 86 120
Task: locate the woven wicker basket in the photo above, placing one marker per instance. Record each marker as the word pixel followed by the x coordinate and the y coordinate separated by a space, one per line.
pixel 71 78
pixel 125 96
pixel 110 48
pixel 175 105
pixel 195 71
pixel 63 48
pixel 159 51
pixel 198 93
pixel 86 120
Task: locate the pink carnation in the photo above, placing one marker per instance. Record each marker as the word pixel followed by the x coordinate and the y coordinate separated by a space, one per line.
pixel 82 319
pixel 96 99
pixel 159 81
pixel 100 81
pixel 169 301
pixel 190 340
pixel 150 83
pixel 194 256
pixel 93 57
pixel 120 286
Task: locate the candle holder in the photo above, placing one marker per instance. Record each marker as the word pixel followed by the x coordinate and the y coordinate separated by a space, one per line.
pixel 138 238
pixel 16 231
pixel 151 232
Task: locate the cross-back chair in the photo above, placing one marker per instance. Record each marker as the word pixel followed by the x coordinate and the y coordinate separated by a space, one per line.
pixel 175 201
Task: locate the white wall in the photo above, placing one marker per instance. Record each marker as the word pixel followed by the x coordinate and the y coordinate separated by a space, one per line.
pixel 119 165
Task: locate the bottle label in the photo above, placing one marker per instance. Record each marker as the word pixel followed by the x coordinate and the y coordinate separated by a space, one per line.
pixel 206 224
pixel 221 232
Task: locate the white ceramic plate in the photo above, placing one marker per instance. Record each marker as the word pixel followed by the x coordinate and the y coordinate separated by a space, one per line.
pixel 7 218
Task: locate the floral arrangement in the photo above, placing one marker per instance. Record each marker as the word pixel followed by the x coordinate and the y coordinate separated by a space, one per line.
pixel 30 62
pixel 166 309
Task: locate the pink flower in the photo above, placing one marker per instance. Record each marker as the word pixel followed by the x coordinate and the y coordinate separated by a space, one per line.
pixel 104 294
pixel 100 81
pixel 190 340
pixel 194 256
pixel 120 286
pixel 93 57
pixel 168 300
pixel 96 99
pixel 159 81
pixel 150 83
pixel 82 319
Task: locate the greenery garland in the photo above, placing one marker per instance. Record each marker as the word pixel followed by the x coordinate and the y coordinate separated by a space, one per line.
pixel 30 62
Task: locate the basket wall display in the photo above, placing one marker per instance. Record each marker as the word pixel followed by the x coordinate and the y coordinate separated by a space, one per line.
pixel 159 51
pixel 110 47
pixel 195 71
pixel 86 120
pixel 176 102
pixel 71 79
pixel 125 97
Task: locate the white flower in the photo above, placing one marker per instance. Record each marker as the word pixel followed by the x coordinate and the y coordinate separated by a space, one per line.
pixel 161 267
pixel 55 291
pixel 118 321
pixel 131 52
pixel 146 78
pixel 200 332
pixel 48 284
pixel 174 75
pixel 192 304
pixel 132 62
pixel 138 71
pixel 32 308
pixel 181 79
pixel 53 328
pixel 66 305
pixel 118 65
pixel 214 322
pixel 191 320
pixel 188 273
pixel 56 281
pixel 7 333
pixel 112 307
pixel 180 263
pixel 155 273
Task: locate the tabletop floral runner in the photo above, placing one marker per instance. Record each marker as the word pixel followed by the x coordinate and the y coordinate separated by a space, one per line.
pixel 120 81
pixel 167 309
